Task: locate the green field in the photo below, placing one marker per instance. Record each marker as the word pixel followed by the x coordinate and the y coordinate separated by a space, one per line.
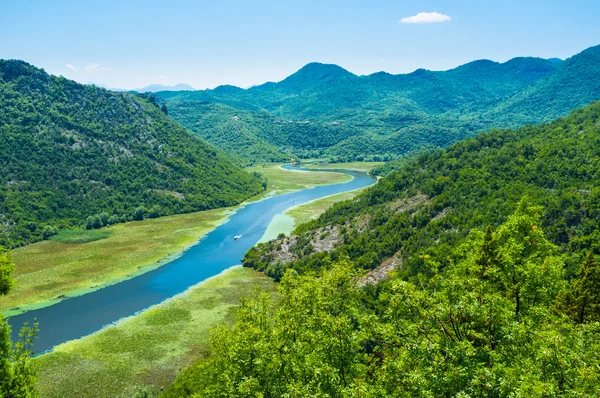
pixel 78 261
pixel 149 349
pixel 282 181
pixel 285 223
pixel 358 166
pixel 311 210
pixel 288 221
pixel 47 270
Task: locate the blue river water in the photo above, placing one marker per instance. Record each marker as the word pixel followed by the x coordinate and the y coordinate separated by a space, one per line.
pixel 216 251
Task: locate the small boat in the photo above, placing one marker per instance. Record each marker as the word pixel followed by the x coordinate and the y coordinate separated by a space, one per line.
pixel 237 237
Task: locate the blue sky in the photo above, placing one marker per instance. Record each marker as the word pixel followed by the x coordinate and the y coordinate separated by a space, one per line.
pixel 131 43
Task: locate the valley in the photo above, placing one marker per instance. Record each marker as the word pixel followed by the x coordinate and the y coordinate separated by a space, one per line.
pixel 218 250
pixel 95 362
pixel 63 267
pixel 432 230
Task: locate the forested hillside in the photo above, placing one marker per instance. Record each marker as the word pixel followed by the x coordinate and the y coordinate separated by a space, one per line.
pixel 492 288
pixel 573 84
pixel 432 203
pixel 326 111
pixel 70 151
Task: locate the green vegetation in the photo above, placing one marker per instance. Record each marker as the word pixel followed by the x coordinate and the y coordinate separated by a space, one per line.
pixel 17 375
pixel 357 166
pixel 326 111
pixel 236 131
pixel 146 351
pixel 280 224
pixel 81 235
pixel 430 205
pixel 313 209
pixel 70 151
pixel 494 289
pixel 280 180
pixel 485 325
pixel 74 262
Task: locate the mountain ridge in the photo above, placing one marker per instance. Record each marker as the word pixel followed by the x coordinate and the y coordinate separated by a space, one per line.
pixel 383 116
pixel 70 151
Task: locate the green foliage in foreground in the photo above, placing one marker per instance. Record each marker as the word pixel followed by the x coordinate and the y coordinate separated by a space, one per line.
pixel 17 375
pixel 485 326
pixel 70 151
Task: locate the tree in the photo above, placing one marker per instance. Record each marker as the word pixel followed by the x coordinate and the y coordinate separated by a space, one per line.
pixel 97 222
pixel 17 375
pixel 138 214
pixel 89 224
pixel 531 272
pixel 49 231
pixel 582 301
pixel 6 268
pixel 104 218
pixel 154 212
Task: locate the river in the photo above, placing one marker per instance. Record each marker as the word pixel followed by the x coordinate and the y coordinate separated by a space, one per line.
pixel 215 252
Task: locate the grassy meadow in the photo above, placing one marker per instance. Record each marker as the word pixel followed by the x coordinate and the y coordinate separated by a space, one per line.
pixel 146 351
pixel 357 166
pixel 76 261
pixel 313 209
pixel 283 181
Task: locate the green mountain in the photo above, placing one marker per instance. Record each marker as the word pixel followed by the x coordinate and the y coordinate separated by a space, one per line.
pixel 471 271
pixel 575 82
pixel 69 151
pixel 382 116
pixel 432 203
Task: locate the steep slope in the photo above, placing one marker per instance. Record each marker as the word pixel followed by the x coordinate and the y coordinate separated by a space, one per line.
pixel 69 151
pixel 454 307
pixel 575 83
pixel 431 204
pixel 236 131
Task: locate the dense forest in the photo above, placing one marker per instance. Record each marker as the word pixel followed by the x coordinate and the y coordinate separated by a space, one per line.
pixel 493 287
pixel 326 111
pixel 69 152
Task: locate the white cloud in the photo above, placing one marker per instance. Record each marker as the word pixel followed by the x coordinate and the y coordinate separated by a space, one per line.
pixel 163 77
pixel 92 68
pixel 426 17
pixel 74 69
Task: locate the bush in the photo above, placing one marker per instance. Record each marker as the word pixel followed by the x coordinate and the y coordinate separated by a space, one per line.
pixel 49 231
pixel 138 215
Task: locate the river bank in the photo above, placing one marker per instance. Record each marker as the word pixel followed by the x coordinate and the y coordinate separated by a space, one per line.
pixel 296 215
pixel 147 350
pixel 51 271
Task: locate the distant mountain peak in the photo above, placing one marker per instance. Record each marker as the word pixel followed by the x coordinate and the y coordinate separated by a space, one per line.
pixel 315 72
pixel 152 88
pixel 227 89
pixel 317 67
